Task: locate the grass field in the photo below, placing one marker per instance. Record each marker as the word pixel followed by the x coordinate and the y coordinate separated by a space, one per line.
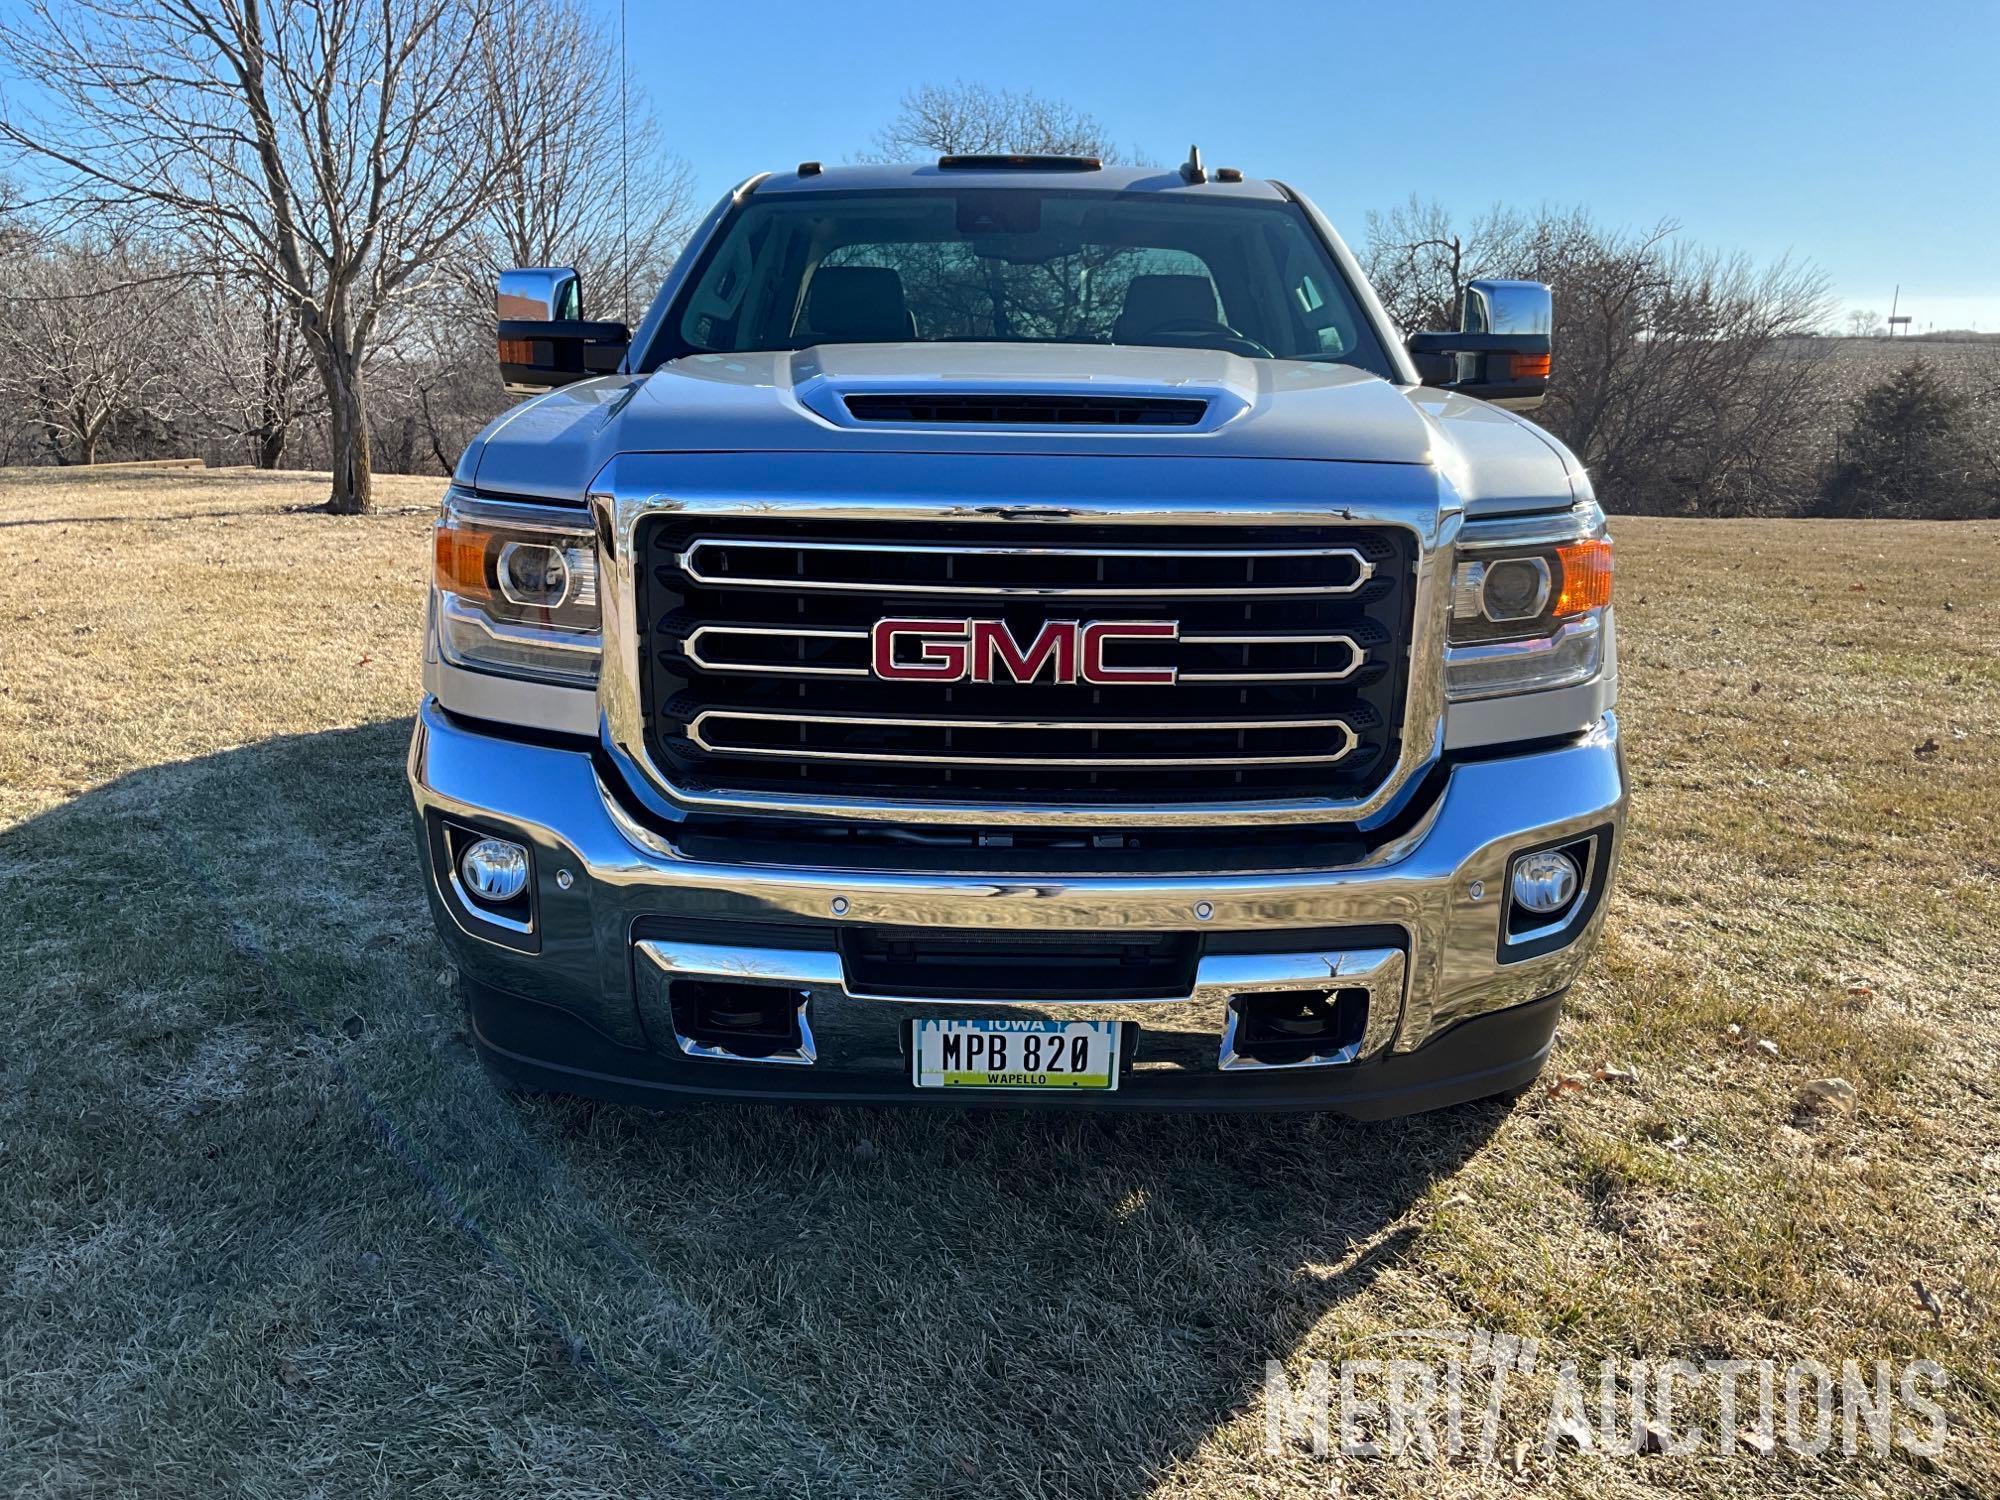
pixel 265 1228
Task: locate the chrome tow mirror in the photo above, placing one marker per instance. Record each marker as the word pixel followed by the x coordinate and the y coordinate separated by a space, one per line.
pixel 543 339
pixel 1501 349
pixel 541 294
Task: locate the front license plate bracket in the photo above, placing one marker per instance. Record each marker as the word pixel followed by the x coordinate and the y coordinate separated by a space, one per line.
pixel 1022 1055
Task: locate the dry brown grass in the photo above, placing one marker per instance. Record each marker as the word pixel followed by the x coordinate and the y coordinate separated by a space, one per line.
pixel 264 1226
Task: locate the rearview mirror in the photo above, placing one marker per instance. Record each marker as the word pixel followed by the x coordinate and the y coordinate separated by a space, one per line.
pixel 1500 351
pixel 543 339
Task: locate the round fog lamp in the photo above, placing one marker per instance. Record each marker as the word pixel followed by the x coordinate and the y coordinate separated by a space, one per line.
pixel 494 870
pixel 1545 883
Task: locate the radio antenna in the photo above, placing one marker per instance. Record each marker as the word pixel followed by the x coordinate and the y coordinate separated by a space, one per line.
pixel 624 180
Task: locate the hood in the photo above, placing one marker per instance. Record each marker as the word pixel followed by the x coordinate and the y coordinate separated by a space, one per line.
pixel 798 402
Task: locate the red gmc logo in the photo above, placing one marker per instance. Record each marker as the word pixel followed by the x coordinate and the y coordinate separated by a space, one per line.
pixel 984 650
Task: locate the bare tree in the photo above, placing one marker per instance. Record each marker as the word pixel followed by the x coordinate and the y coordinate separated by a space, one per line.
pixel 1865 324
pixel 1681 375
pixel 86 344
pixel 336 149
pixel 611 201
pixel 971 119
pixel 255 380
pixel 1419 261
pixel 614 203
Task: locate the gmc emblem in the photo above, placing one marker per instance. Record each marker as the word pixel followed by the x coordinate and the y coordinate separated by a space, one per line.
pixel 982 650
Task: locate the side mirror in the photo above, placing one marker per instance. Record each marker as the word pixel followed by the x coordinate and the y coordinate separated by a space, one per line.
pixel 543 338
pixel 1500 352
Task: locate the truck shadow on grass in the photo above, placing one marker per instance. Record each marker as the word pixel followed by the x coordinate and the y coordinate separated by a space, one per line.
pixel 845 1301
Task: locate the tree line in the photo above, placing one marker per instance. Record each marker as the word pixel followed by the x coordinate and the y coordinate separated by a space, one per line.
pixel 266 231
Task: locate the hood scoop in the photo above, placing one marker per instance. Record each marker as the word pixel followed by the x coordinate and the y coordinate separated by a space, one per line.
pixel 1025 409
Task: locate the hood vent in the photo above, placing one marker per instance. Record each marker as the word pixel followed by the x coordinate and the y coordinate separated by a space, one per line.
pixel 971 410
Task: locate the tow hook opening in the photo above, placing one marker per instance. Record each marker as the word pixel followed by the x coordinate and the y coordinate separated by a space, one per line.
pixel 1296 1026
pixel 754 1021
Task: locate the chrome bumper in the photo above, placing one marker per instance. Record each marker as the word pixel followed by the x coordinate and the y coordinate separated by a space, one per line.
pixel 599 880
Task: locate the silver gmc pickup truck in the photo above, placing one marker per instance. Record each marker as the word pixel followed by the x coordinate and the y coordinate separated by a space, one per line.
pixel 1015 630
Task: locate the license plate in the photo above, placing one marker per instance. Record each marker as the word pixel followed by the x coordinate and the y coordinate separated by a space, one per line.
pixel 1016 1054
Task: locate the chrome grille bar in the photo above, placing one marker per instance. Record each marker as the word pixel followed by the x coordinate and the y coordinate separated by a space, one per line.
pixel 1355 657
pixel 688 563
pixel 691 647
pixel 1349 739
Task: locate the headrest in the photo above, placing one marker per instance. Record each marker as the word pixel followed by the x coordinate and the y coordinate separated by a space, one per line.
pixel 1155 301
pixel 857 303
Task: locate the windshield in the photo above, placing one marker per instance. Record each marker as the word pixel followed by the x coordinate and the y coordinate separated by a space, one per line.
pixel 1021 265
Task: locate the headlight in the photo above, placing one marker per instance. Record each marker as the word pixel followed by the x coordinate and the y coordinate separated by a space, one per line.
pixel 1527 613
pixel 516 591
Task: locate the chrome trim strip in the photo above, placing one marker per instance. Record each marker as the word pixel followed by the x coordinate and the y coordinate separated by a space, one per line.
pixel 576 642
pixel 571 520
pixel 620 508
pixel 1544 529
pixel 1364 570
pixel 796 752
pixel 484 914
pixel 567 708
pixel 1580 632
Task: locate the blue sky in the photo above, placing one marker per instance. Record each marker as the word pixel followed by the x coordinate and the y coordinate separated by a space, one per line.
pixel 1860 136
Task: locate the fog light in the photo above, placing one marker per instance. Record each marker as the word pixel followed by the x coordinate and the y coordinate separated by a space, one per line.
pixel 494 870
pixel 1546 882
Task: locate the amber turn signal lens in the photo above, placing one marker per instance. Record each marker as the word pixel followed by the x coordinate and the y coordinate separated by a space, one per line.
pixel 517 351
pixel 460 553
pixel 1531 366
pixel 1586 576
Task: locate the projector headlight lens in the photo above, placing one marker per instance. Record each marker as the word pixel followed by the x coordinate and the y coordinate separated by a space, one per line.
pixel 533 574
pixel 1515 588
pixel 494 870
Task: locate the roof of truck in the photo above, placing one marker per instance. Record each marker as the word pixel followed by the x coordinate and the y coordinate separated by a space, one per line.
pixel 884 178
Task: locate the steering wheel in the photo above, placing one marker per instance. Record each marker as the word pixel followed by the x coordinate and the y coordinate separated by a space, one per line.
pixel 1209 333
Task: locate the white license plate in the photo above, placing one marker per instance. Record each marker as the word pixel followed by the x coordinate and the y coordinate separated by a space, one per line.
pixel 1016 1054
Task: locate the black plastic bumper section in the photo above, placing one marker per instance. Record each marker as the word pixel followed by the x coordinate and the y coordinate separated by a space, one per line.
pixel 541 1048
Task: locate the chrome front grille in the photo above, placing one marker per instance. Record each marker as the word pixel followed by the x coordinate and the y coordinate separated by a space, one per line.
pixel 1289 661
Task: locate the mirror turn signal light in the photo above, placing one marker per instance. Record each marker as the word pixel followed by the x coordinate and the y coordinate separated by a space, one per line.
pixel 1586 576
pixel 1530 366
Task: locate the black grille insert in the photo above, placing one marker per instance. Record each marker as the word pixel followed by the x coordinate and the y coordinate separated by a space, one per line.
pixel 1029 411
pixel 919 963
pixel 1288 659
